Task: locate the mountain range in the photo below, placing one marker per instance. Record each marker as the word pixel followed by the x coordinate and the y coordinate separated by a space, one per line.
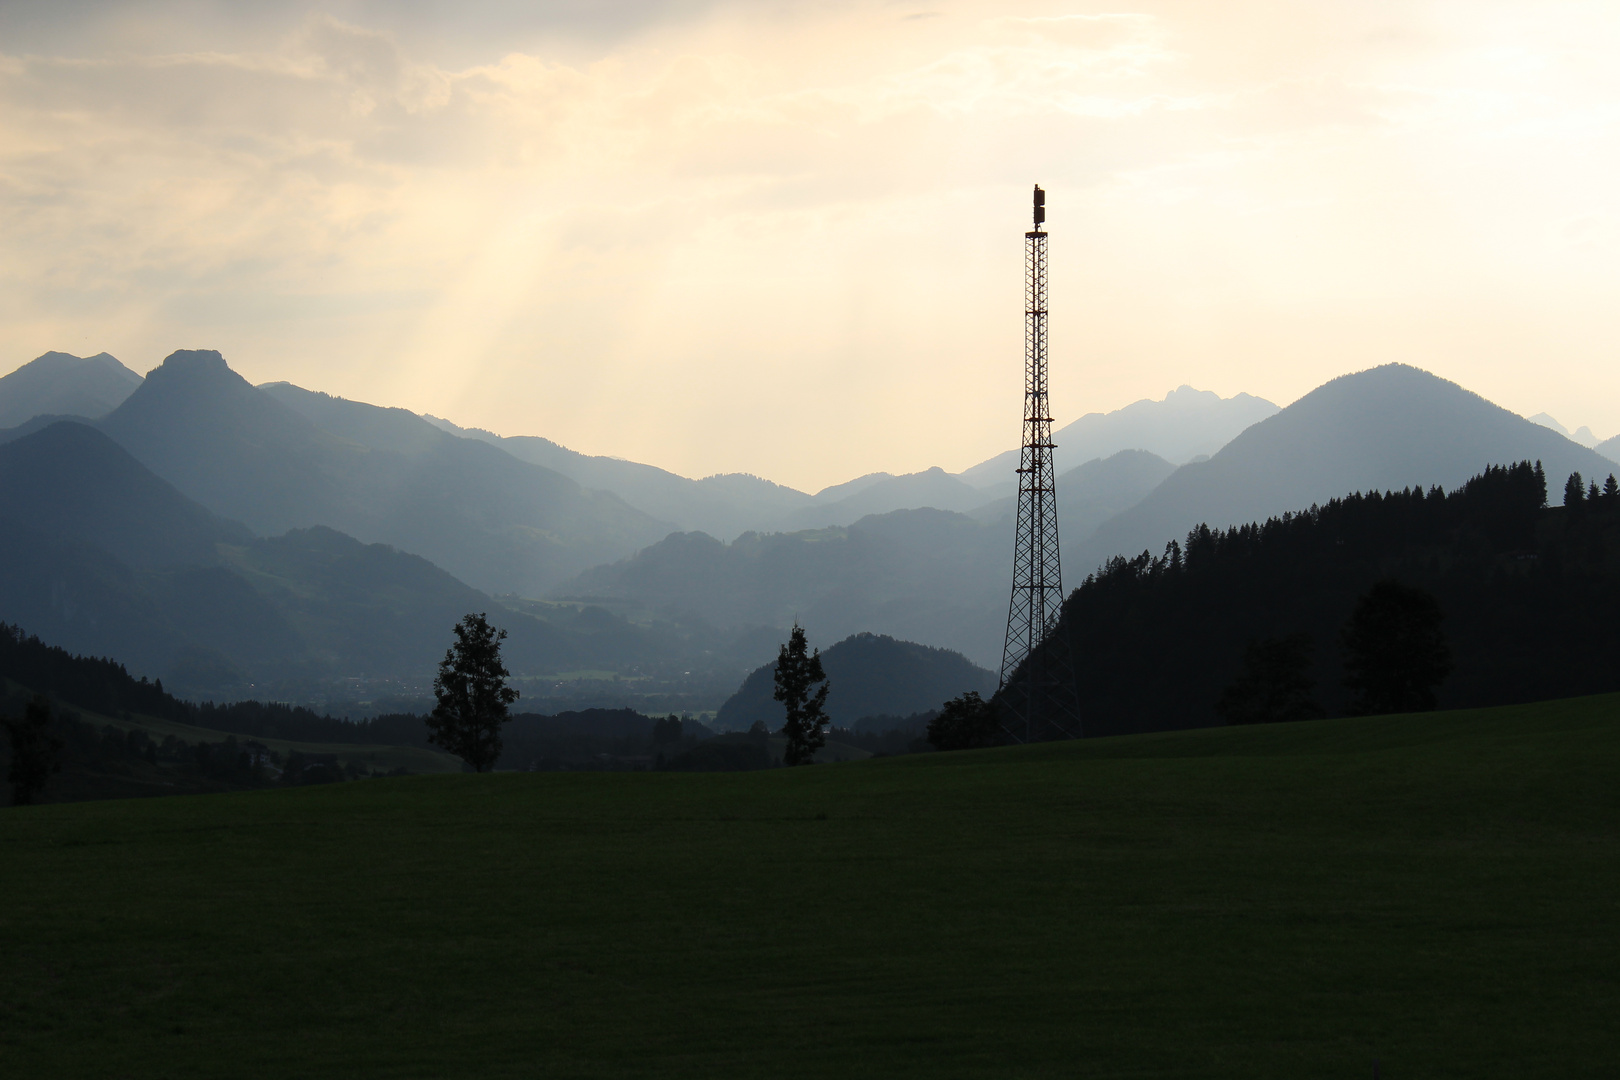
pixel 224 534
pixel 1381 429
pixel 724 505
pixel 926 575
pixel 102 557
pixel 1185 425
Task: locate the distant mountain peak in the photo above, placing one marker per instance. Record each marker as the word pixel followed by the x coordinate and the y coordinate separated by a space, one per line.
pixel 1186 423
pixel 1191 393
pixel 1382 428
pixel 195 362
pixel 1582 435
pixel 61 384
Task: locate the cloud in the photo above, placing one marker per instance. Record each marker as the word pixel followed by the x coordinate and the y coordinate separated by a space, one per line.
pixel 630 245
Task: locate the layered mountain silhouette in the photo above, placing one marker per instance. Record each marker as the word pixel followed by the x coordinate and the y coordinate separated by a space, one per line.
pixel 100 556
pixel 1094 492
pixel 867 675
pixel 881 493
pixel 1582 435
pixel 1610 449
pixel 724 505
pixel 925 575
pixel 914 574
pixel 281 458
pixel 222 534
pixel 1185 425
pixel 71 480
pixel 61 384
pixel 1382 429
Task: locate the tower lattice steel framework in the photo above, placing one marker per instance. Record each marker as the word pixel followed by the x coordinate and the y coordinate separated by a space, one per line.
pixel 1037 684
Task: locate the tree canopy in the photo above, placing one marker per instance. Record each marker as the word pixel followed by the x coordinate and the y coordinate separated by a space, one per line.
pixel 1275 685
pixel 967 722
pixel 805 725
pixel 1395 652
pixel 472 694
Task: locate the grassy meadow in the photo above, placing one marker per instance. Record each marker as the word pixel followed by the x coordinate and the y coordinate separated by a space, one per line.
pixel 1440 893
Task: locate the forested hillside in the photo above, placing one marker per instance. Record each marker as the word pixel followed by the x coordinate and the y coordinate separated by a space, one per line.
pixel 1528 594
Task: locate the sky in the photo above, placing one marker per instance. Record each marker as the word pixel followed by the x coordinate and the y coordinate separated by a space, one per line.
pixel 786 238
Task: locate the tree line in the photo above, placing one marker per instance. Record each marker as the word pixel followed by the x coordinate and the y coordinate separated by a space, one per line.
pixel 1373 602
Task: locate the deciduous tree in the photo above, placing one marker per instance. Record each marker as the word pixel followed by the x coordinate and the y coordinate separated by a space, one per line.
pixel 472 695
pixel 1275 685
pixel 797 670
pixel 1396 653
pixel 965 723
pixel 35 752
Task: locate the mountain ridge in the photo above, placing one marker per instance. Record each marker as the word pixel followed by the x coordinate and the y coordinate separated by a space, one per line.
pixel 380 475
pixel 61 384
pixel 1183 425
pixel 1383 428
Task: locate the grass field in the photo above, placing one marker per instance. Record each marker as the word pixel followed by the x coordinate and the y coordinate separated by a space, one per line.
pixel 1440 893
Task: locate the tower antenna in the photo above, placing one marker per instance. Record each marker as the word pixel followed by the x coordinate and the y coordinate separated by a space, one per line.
pixel 1037 692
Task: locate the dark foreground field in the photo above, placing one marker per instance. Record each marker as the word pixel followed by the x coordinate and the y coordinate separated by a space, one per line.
pixel 1441 893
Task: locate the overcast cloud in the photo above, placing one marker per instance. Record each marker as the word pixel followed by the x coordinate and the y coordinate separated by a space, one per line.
pixel 785 239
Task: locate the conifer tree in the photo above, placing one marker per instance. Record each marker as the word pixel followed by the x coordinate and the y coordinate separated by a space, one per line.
pixel 472 695
pixel 797 670
pixel 1574 492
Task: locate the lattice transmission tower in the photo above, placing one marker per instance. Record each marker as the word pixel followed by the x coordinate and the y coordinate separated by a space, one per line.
pixel 1037 693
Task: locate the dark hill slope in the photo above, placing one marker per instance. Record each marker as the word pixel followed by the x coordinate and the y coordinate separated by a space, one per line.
pixel 285 616
pixel 1529 595
pixel 867 675
pixel 374 609
pixel 80 597
pixel 1381 429
pixel 71 480
pixel 62 384
pixel 381 475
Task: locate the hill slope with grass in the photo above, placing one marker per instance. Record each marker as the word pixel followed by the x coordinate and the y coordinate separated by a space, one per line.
pixel 1436 893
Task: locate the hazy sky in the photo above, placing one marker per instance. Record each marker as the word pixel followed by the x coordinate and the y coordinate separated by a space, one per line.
pixel 786 238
